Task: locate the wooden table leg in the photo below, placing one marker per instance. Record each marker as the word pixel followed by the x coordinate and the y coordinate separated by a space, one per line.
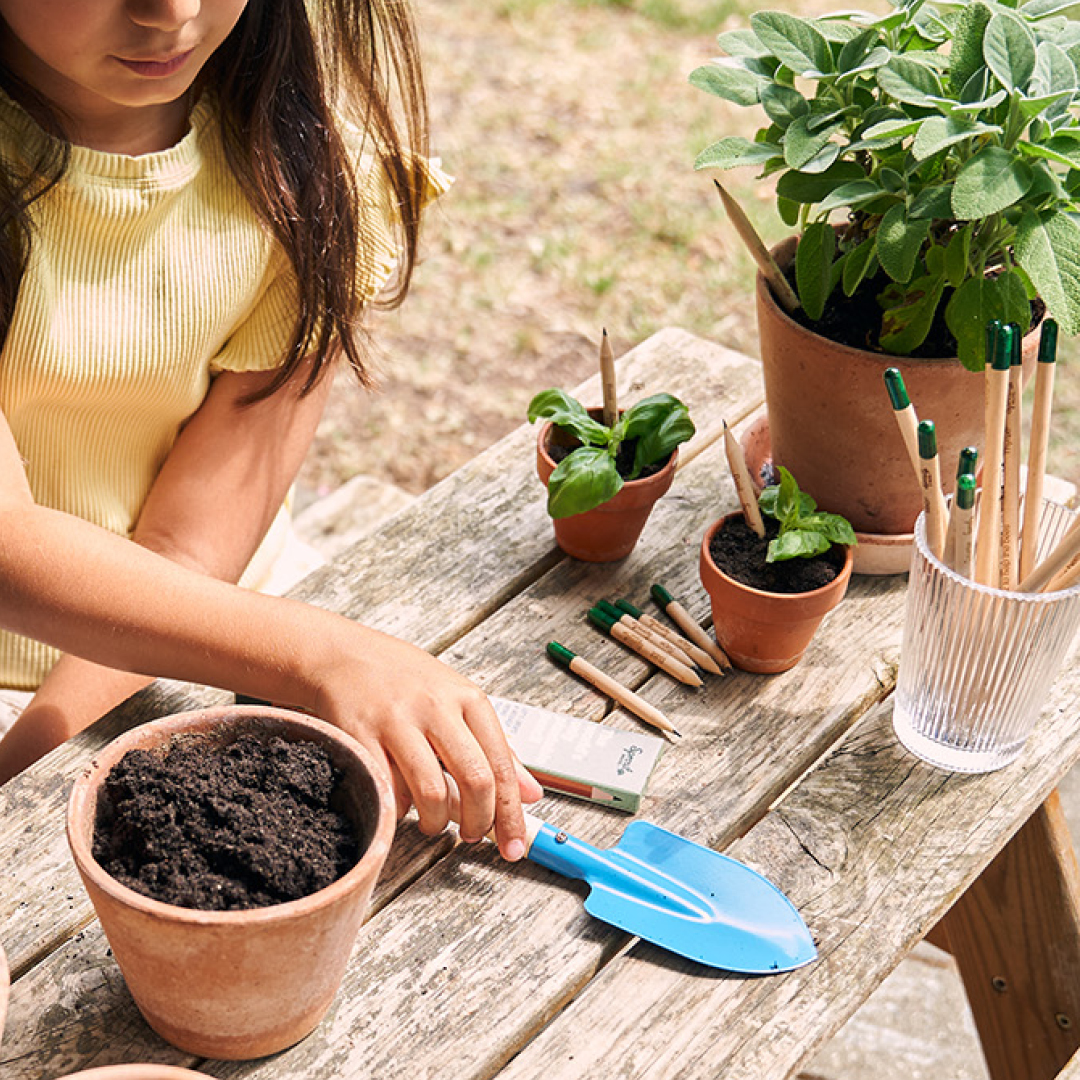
pixel 1015 935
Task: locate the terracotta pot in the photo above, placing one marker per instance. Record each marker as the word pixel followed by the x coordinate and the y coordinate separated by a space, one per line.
pixel 610 531
pixel 5 983
pixel 236 984
pixel 137 1072
pixel 765 632
pixel 831 423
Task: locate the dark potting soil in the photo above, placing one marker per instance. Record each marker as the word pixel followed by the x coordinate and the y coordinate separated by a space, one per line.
pixel 740 553
pixel 202 825
pixel 624 458
pixel 856 320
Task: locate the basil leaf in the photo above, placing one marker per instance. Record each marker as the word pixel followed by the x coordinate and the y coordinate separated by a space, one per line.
pixel 583 480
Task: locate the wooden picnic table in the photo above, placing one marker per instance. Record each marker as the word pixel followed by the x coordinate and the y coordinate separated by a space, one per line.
pixel 469 967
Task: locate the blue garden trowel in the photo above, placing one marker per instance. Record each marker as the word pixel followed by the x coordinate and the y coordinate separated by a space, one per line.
pixel 682 896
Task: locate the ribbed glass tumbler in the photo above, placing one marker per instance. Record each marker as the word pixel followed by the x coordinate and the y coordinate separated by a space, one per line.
pixel 977 663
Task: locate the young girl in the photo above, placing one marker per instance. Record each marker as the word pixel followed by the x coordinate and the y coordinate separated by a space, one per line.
pixel 198 198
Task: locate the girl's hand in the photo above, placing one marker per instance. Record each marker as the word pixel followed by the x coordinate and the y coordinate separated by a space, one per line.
pixel 426 722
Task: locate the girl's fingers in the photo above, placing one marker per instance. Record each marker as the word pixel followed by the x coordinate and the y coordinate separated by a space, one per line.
pixel 423 777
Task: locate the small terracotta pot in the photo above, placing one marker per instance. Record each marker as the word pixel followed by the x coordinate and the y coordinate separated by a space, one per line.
pixel 610 531
pixel 236 984
pixel 5 983
pixel 137 1072
pixel 765 632
pixel 831 424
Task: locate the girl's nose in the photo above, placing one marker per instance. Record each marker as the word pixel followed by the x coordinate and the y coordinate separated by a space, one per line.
pixel 163 14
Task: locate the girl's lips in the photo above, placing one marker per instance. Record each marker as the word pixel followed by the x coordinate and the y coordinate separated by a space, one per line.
pixel 156 69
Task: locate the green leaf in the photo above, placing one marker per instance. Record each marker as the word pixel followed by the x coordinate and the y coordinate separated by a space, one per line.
pixel 851 195
pixel 988 183
pixel 743 43
pixel 858 264
pixel 796 545
pixel 805 531
pixel 966 56
pixel 899 241
pixel 909 81
pixel 909 313
pixel 939 132
pixel 782 104
pixel 1009 50
pixel 1040 9
pixel 733 151
pixel 801 146
pixel 583 480
pixel 956 256
pixel 813 267
pixel 795 42
pixel 803 187
pixel 788 210
pixel 975 303
pixel 568 413
pixel 1048 249
pixel 659 423
pixel 1055 73
pixel 729 81
pixel 932 202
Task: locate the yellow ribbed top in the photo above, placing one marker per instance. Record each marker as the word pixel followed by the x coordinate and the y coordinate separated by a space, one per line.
pixel 147 275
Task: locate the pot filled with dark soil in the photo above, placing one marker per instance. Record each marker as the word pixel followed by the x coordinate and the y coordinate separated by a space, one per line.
pixel 610 531
pixel 765 614
pixel 230 855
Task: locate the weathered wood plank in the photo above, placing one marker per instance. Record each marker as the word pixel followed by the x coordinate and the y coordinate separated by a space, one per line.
pixel 457 989
pixel 872 847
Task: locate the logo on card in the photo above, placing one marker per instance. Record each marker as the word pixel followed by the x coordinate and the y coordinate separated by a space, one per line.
pixel 626 759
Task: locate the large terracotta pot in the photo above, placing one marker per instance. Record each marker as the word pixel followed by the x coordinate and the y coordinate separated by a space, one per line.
pixel 610 531
pixel 765 632
pixel 236 984
pixel 831 423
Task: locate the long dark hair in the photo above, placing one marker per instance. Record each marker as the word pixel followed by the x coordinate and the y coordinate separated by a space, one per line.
pixel 286 78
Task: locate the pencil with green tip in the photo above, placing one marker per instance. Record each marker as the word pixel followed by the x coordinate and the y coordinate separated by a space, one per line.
pixel 1040 433
pixel 687 624
pixel 906 419
pixel 623 617
pixel 960 538
pixel 996 393
pixel 1010 478
pixel 611 688
pixel 644 648
pixel 1057 565
pixel 930 481
pixel 697 654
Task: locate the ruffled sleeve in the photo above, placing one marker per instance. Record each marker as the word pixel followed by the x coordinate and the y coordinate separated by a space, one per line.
pixel 259 342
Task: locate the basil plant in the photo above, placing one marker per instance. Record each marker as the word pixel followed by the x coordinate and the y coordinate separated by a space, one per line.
pixel 588 476
pixel 805 531
pixel 948 137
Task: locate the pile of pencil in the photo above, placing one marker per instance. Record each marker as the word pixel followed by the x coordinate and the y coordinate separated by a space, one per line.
pixel 992 536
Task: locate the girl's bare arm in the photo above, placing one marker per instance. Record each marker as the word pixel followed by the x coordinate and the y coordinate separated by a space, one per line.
pixel 103 598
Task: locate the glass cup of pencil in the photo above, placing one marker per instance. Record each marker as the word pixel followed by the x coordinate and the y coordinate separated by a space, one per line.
pixel 977 661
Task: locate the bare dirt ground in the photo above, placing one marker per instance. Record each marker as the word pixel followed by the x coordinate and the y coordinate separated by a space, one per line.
pixel 572 131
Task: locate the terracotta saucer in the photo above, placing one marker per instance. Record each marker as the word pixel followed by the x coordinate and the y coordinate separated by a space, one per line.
pixel 876 554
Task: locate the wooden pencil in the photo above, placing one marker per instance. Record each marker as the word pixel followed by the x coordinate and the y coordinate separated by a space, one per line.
pixel 960 538
pixel 1040 433
pixel 1065 555
pixel 644 648
pixel 996 392
pixel 744 486
pixel 1010 480
pixel 635 625
pixel 906 418
pixel 696 654
pixel 688 625
pixel 611 687
pixel 930 481
pixel 607 381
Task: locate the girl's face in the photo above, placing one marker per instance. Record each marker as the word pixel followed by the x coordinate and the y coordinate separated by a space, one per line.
pixel 115 68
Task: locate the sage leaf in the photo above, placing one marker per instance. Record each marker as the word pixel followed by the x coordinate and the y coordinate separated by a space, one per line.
pixel 909 81
pixel 988 183
pixel 729 81
pixel 939 132
pixel 966 57
pixel 909 313
pixel 1009 50
pixel 795 42
pixel 813 267
pixel 803 187
pixel 899 241
pixel 734 150
pixel 1048 249
pixel 859 263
